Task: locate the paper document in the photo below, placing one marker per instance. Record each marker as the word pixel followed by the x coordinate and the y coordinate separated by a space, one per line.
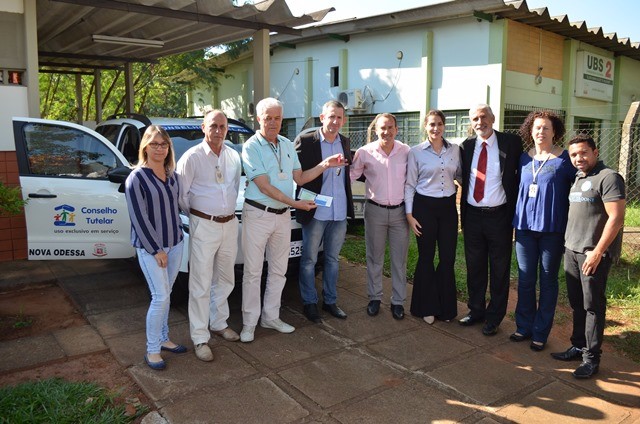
pixel 318 199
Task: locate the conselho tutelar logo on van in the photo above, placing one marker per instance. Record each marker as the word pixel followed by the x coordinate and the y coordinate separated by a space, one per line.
pixel 66 216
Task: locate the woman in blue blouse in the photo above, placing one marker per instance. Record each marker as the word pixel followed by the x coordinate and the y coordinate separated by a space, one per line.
pixel 152 192
pixel 430 204
pixel 540 221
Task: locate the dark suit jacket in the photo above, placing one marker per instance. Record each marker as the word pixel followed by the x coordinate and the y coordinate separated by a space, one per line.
pixel 310 154
pixel 510 146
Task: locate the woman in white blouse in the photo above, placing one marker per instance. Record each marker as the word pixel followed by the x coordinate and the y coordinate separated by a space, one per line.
pixel 430 199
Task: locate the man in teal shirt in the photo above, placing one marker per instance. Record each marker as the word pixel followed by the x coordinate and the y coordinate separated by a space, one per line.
pixel 272 166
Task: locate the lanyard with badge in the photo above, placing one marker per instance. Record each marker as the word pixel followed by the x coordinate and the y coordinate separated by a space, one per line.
pixel 533 187
pixel 219 169
pixel 281 175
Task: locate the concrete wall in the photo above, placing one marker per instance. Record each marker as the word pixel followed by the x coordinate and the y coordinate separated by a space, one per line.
pixel 448 65
pixel 457 52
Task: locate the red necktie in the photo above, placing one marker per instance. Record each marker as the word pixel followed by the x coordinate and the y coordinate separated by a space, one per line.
pixel 481 175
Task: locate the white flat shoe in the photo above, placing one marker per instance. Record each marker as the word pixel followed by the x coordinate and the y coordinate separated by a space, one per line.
pixel 430 319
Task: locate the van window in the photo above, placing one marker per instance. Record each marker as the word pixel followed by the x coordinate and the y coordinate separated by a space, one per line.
pixel 54 150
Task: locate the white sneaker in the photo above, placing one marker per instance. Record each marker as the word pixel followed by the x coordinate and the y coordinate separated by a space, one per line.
pixel 246 335
pixel 203 352
pixel 278 325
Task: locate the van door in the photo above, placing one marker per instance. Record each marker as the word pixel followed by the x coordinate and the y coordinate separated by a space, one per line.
pixel 73 211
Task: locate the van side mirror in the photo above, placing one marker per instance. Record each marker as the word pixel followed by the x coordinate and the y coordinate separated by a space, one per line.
pixel 119 176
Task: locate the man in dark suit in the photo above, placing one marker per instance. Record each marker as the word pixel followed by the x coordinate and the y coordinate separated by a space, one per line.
pixel 326 224
pixel 490 178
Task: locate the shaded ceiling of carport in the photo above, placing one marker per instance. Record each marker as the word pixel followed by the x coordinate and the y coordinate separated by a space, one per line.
pixel 66 28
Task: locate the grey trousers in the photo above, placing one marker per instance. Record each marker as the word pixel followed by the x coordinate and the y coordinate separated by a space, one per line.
pixel 381 224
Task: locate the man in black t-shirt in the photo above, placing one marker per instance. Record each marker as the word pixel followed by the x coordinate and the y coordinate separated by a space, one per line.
pixel 596 216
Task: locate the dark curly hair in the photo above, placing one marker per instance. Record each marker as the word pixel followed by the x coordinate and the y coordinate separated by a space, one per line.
pixel 527 125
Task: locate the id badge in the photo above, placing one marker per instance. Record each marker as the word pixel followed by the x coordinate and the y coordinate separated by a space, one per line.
pixel 282 176
pixel 533 190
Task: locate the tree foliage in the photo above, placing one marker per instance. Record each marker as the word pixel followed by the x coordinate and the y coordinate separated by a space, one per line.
pixel 160 88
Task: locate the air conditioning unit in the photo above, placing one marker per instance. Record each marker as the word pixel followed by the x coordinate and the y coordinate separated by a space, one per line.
pixel 351 99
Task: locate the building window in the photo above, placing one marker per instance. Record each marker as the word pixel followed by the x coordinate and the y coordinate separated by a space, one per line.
pixel 11 77
pixel 334 75
pixel 456 125
pixel 409 128
pixel 288 128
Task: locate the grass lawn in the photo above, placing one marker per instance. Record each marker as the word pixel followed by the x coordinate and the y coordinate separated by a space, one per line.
pixel 59 401
pixel 623 287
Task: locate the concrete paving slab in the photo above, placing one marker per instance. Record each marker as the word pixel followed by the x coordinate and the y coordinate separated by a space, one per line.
pixel 255 401
pixel 618 380
pixel 129 319
pixel 558 402
pixel 487 420
pixel 350 301
pixel 20 274
pixel 185 374
pixel 420 348
pixel 282 350
pixel 82 340
pixel 473 334
pixel 130 348
pixel 409 402
pixel 361 327
pixel 102 279
pixel 519 353
pixel 28 352
pixel 340 377
pixel 63 268
pixel 99 301
pixel 485 379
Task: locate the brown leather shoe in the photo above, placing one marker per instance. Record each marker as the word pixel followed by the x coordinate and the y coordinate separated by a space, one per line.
pixel 228 334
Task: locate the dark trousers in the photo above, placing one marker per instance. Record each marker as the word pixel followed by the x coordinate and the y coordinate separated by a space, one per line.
pixel 434 288
pixel 488 241
pixel 588 301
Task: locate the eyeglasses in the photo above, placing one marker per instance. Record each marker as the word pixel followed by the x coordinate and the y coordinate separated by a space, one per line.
pixel 156 146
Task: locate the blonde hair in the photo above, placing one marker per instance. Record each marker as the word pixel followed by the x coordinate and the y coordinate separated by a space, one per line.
pixel 372 126
pixel 147 138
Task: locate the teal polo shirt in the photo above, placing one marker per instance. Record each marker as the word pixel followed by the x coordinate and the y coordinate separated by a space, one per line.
pixel 260 158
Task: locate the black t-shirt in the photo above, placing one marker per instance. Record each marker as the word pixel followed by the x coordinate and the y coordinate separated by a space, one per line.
pixel 587 215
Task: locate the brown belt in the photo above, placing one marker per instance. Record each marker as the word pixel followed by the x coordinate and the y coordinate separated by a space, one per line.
pixel 219 219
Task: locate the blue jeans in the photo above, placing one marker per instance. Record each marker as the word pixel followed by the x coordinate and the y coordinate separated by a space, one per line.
pixel 160 281
pixel 537 250
pixel 315 233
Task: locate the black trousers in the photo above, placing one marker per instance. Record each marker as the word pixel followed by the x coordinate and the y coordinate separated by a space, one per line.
pixel 589 302
pixel 434 288
pixel 488 242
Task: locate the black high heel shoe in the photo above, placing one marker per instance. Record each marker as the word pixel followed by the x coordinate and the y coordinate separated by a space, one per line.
pixel 537 346
pixel 515 337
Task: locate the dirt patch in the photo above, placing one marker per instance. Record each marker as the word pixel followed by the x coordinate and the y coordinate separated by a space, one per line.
pixel 42 310
pixel 35 311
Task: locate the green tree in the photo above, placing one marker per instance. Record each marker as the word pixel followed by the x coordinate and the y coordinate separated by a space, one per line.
pixel 159 88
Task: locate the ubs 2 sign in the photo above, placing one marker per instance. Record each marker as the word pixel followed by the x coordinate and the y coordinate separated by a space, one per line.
pixel 594 76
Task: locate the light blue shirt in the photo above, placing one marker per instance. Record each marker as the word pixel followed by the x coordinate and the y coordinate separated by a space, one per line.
pixel 278 163
pixel 332 184
pixel 431 174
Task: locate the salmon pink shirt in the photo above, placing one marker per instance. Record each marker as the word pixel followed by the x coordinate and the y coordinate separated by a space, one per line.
pixel 385 174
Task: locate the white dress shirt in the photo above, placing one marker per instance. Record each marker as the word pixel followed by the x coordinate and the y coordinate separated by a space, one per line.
pixel 494 194
pixel 200 187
